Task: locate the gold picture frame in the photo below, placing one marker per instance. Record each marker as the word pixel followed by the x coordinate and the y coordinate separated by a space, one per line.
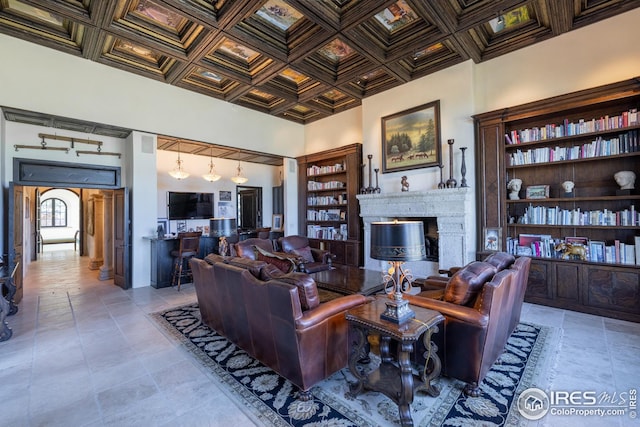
pixel 411 138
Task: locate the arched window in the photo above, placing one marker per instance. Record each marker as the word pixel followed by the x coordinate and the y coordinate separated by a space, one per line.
pixel 53 213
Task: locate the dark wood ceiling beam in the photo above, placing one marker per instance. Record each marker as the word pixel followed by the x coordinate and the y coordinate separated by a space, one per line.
pixel 560 15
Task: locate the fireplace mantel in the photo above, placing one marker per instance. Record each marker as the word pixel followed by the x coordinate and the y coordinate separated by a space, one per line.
pixel 452 207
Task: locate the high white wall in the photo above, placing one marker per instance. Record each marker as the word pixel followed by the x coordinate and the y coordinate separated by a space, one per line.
pixel 601 53
pixel 44 80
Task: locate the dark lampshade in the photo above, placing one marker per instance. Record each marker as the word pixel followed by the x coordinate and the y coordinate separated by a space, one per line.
pixel 398 241
pixel 222 227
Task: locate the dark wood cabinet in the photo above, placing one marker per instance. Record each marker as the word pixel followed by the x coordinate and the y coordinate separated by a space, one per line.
pixel 584 137
pixel 162 261
pixel 328 184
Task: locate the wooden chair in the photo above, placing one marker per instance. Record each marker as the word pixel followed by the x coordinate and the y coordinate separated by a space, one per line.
pixel 188 247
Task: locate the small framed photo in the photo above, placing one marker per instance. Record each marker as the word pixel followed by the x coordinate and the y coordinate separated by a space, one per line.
pixel 577 241
pixel 225 196
pixel 276 222
pixel 492 239
pixel 163 226
pixel 538 192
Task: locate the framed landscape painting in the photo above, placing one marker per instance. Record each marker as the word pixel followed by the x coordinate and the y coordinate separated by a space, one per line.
pixel 411 138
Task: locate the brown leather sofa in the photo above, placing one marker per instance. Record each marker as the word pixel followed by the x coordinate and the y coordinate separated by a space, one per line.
pixel 480 306
pixel 263 250
pixel 312 259
pixel 276 318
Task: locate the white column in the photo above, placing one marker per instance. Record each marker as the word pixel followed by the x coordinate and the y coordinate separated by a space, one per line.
pixel 106 270
pixel 94 225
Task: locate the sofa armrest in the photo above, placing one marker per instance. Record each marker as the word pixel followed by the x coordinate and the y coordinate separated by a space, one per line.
pixel 325 310
pixel 459 312
pixel 433 282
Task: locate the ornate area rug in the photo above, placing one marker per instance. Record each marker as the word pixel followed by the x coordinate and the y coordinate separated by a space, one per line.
pixel 527 362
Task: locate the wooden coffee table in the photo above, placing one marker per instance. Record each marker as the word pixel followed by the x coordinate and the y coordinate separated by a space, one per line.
pixel 349 280
pixel 394 378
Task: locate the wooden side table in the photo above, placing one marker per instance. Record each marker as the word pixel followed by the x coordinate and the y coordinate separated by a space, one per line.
pixel 394 378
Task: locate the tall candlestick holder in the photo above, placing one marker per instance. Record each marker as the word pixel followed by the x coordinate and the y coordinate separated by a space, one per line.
pixel 441 185
pixel 369 189
pixel 463 169
pixel 377 189
pixel 451 183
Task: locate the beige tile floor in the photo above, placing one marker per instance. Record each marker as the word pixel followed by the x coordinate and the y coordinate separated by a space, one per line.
pixel 85 353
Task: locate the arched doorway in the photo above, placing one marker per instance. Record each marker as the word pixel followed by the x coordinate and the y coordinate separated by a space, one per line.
pixel 58 220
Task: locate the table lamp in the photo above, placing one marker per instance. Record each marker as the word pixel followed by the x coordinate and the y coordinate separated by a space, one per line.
pixel 397 242
pixel 222 228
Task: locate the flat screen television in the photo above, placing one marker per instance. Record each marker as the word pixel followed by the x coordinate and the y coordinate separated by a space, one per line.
pixel 182 205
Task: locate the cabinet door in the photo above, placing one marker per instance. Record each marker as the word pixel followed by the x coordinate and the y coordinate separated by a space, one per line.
pixel 540 280
pixel 567 281
pixel 352 253
pixel 612 288
pixel 337 248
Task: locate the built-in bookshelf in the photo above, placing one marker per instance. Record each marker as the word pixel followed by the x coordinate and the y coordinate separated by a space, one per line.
pixel 585 243
pixel 329 182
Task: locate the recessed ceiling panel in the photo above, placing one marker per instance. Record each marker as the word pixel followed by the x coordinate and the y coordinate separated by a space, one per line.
pixel 282 57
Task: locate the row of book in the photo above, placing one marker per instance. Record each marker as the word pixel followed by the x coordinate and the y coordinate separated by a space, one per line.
pixel 329 185
pixel 567 128
pixel 554 215
pixel 627 142
pixel 319 170
pixel 341 199
pixel 325 215
pixel 327 233
pixel 544 246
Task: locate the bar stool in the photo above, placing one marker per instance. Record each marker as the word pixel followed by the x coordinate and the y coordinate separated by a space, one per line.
pixel 188 247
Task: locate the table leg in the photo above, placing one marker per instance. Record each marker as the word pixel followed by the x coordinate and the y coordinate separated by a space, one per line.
pixel 5 330
pixel 432 364
pixel 11 291
pixel 357 352
pixel 406 383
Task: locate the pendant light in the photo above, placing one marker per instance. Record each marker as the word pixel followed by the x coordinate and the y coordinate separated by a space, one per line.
pixel 238 178
pixel 212 175
pixel 178 172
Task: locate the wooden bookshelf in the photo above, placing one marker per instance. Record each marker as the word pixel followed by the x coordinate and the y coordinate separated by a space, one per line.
pixel 328 210
pixel 605 144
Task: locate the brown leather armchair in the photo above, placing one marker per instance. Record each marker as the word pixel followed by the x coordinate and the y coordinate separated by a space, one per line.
pixel 312 259
pixel 500 260
pixel 479 307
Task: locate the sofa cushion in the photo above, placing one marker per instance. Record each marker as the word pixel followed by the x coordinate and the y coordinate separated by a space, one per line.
pixel 269 272
pixel 214 258
pixel 465 284
pixel 245 251
pixel 285 264
pixel 254 267
pixel 500 260
pixel 305 253
pixel 307 290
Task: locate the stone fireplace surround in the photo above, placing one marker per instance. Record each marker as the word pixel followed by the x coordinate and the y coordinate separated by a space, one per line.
pixel 453 209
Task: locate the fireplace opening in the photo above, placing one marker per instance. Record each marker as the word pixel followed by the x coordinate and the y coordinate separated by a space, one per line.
pixel 430 225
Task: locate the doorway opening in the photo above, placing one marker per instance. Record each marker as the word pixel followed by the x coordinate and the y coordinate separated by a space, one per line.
pixel 249 208
pixel 57 220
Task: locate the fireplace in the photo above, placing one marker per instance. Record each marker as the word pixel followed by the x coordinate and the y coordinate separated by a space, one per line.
pixel 453 210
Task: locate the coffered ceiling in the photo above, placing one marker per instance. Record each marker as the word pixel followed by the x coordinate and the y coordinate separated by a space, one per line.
pixel 301 60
